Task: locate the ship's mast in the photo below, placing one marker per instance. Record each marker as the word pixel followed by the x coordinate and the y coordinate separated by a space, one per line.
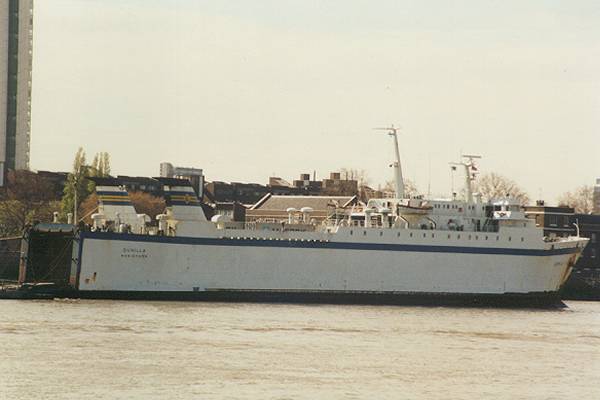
pixel 398 179
pixel 470 172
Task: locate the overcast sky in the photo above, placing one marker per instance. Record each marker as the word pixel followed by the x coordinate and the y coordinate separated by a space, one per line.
pixel 249 89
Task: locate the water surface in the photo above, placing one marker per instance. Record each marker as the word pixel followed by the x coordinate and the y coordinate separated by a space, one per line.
pixel 83 349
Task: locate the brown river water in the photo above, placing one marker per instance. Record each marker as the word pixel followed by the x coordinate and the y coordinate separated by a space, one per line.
pixel 79 349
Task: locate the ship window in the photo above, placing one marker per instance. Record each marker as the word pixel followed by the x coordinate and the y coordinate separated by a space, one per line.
pixel 381 233
pixel 486 238
pixel 497 237
pixel 509 238
pixel 411 234
pixel 458 236
pixel 449 236
pixel 469 237
pixel 476 237
pixel 351 231
pixel 398 234
pixel 433 235
pixel 364 233
pixel 424 235
pixel 522 239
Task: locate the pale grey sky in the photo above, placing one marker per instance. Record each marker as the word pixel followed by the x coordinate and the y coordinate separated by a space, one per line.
pixel 247 89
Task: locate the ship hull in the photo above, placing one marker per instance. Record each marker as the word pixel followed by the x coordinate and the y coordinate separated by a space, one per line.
pixel 506 300
pixel 313 271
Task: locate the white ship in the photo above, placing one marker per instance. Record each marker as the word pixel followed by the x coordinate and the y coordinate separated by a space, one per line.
pixel 389 251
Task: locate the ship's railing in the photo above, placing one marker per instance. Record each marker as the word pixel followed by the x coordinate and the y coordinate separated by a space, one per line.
pixel 267 226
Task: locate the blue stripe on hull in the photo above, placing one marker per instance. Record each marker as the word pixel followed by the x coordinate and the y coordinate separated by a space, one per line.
pixel 301 244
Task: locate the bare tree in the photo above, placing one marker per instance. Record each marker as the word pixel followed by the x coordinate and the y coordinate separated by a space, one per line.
pixel 359 175
pixel 410 188
pixel 493 185
pixel 27 198
pixel 582 199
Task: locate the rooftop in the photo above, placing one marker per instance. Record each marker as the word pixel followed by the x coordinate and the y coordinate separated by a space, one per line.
pixel 275 202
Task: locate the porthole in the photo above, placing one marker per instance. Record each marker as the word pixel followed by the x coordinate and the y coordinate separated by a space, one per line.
pixel 364 233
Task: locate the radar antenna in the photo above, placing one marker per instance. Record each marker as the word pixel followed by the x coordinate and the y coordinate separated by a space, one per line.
pixel 398 179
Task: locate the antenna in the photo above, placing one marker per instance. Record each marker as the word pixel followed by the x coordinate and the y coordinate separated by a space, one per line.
pixel 429 177
pixel 398 180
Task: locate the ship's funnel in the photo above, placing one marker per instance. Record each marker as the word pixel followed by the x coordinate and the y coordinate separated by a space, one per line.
pixel 114 202
pixel 182 200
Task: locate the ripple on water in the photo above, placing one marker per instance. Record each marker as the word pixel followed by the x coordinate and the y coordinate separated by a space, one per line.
pixel 109 349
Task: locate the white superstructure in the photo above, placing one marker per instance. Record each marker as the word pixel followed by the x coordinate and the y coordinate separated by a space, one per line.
pixel 388 247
